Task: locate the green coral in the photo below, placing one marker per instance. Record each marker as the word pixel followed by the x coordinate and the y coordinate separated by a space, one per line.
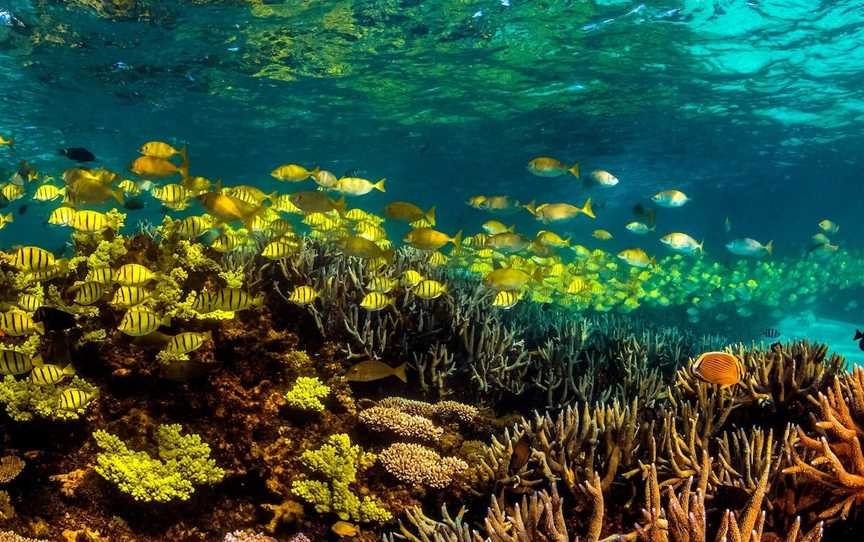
pixel 306 394
pixel 183 462
pixel 234 278
pixel 337 463
pixel 26 400
pixel 192 256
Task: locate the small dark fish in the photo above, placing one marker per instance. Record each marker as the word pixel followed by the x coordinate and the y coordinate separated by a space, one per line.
pixel 771 333
pixel 134 204
pixel 22 209
pixel 54 319
pixel 858 335
pixel 639 210
pixel 79 154
pixel 776 346
pixel 521 454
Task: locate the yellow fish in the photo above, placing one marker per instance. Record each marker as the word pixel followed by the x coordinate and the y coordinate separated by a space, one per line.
pixel 226 299
pixel 375 301
pixel 355 186
pixel 324 179
pixel 293 173
pixel 151 167
pixel 360 247
pixel 128 296
pixel 603 235
pixel 429 239
pixel 509 278
pixel 49 192
pixel 371 370
pixel 62 216
pixel 430 289
pixel 16 363
pixel 16 323
pixel 74 399
pixel 552 239
pixel 544 166
pixel 303 295
pixel 183 343
pixel 7 142
pixel 228 208
pixel 506 299
pixel 559 212
pixel 90 292
pixel 404 211
pixel 828 227
pixel 158 149
pixel 133 274
pixel 636 257
pixel 87 221
pixel 140 321
pixel 50 374
pixel 6 219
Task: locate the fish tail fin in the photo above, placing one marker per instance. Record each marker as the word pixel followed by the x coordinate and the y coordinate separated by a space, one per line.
pixel 511 229
pixel 430 215
pixel 701 247
pixel 118 195
pixel 208 335
pixel 37 360
pixel 575 170
pixel 587 209
pixel 654 262
pixel 769 248
pixel 379 185
pixel 340 205
pixel 184 166
pixel 567 242
pixel 531 207
pixel 399 372
pixel 858 335
pixel 9 217
pixel 62 191
pixel 40 328
pixel 457 239
pixel 69 370
pixel 388 255
pixel 315 172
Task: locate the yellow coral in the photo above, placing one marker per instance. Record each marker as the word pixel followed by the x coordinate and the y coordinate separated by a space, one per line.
pixel 306 394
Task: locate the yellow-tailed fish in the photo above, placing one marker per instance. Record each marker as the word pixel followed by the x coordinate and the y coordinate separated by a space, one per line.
pixel 32 259
pixel 670 198
pixel 16 363
pixel 49 192
pixel 404 211
pixel 603 235
pixel 371 370
pixel 293 173
pixel 636 257
pixel 506 299
pixel 828 227
pixel 62 216
pixel 88 293
pixel 681 242
pixel 411 278
pixel 355 186
pixel 159 149
pixel 87 221
pixel 559 212
pixel 544 166
pixel 29 302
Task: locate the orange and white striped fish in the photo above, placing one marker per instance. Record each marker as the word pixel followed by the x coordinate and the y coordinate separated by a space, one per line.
pixel 720 368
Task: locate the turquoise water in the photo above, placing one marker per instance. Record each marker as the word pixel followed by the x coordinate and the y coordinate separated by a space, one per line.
pixel 754 109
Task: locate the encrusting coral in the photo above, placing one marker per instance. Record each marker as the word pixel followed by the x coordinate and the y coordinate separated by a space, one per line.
pixel 182 462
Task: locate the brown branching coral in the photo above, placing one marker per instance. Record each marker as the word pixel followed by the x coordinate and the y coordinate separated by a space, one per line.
pixel 569 447
pixel 833 461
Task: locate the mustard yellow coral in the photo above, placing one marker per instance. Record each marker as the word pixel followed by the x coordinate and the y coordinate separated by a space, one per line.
pixel 306 394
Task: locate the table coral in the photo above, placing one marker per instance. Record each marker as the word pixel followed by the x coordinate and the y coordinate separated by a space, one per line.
pixel 415 464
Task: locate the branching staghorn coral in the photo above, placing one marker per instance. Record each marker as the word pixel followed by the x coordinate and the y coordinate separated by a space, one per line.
pixel 569 447
pixel 833 461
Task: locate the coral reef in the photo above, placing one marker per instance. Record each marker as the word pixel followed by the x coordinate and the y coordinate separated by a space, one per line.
pixel 306 394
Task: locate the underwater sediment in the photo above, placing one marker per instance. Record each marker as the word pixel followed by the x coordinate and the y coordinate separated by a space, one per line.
pixel 198 380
